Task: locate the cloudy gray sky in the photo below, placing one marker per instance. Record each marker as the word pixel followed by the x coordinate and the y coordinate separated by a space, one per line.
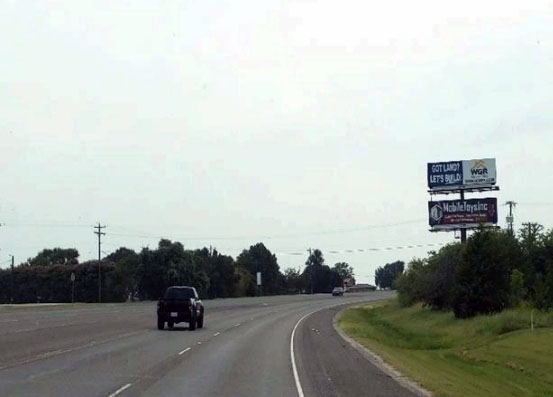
pixel 296 123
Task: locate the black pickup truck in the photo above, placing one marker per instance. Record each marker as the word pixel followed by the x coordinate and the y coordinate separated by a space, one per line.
pixel 180 304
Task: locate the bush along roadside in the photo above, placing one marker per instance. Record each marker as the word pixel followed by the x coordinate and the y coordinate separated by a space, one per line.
pixel 493 271
pixel 128 275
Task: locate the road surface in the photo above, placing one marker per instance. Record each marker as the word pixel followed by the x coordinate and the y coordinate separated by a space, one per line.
pixel 244 349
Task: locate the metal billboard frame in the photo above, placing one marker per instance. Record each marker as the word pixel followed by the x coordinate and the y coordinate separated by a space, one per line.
pixel 459 189
pixel 463 226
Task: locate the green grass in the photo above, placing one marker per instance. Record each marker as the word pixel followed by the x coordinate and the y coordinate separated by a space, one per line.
pixel 495 355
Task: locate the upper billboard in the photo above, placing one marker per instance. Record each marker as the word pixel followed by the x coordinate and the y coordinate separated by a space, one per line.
pixel 461 174
pixel 456 214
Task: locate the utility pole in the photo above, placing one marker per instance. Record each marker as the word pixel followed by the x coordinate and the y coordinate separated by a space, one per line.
pixel 13 279
pixel 310 270
pixel 510 218
pixel 100 233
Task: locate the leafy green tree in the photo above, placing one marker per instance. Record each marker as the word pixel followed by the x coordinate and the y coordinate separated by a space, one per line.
pixel 518 291
pixel 548 288
pixel 319 277
pixel 313 267
pixel 245 284
pixel 344 270
pixel 293 281
pixel 220 270
pixel 56 256
pixel 259 259
pixel 326 279
pixel 385 276
pixel 170 265
pixel 484 277
pixel 412 284
pixel 440 275
pixel 533 263
pixel 547 247
pixel 126 264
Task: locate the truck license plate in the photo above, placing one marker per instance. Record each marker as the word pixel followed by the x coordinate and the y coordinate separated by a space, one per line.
pixel 174 314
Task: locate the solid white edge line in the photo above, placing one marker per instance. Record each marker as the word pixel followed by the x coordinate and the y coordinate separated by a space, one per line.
pixel 294 368
pixel 120 390
pixel 184 351
pixel 293 359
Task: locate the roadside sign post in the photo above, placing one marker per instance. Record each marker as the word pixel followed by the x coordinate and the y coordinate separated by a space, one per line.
pixel 72 287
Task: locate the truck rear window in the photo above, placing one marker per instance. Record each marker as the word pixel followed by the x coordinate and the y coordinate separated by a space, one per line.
pixel 180 293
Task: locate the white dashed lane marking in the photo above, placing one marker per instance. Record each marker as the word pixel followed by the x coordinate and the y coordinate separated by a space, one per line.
pixel 184 351
pixel 121 389
pixel 216 334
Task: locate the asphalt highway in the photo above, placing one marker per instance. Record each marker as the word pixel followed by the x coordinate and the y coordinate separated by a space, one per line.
pixel 244 349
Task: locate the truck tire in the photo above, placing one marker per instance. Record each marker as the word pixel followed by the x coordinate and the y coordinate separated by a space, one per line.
pixel 200 321
pixel 170 324
pixel 192 322
pixel 160 323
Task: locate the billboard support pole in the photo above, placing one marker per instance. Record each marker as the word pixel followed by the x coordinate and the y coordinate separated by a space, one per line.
pixel 463 230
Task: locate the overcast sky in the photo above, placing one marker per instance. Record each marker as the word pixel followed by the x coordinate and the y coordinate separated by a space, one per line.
pixel 296 123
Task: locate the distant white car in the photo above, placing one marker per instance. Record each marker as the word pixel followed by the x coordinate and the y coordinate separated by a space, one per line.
pixel 338 291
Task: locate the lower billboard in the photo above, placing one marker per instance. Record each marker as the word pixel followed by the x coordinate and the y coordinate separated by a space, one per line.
pixel 460 214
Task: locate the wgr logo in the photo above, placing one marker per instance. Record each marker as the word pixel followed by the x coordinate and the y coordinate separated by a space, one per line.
pixel 479 168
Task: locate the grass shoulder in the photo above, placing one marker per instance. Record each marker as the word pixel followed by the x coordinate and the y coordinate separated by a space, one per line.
pixel 481 356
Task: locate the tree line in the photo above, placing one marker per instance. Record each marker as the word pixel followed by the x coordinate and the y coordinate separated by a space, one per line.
pixel 128 275
pixel 385 276
pixel 493 271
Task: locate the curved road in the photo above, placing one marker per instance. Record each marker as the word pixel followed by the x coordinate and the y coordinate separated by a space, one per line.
pixel 243 350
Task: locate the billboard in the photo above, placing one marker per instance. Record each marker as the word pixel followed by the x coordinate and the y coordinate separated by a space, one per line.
pixel 456 214
pixel 461 174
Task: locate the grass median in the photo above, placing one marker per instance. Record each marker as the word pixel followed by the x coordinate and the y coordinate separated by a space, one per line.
pixel 495 355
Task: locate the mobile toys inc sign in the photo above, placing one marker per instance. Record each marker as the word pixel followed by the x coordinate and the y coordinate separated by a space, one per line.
pixel 454 214
pixel 461 174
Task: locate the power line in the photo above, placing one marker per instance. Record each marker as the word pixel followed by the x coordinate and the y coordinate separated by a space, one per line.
pixel 372 249
pixel 142 235
pixel 44 225
pixel 275 236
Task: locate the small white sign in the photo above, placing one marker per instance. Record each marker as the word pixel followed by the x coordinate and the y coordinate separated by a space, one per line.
pixel 258 278
pixel 479 172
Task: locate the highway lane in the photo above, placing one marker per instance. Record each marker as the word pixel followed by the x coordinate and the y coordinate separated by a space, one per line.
pixel 331 367
pixel 99 350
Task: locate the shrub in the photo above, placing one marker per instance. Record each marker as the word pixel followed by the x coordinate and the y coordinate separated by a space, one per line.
pixel 483 279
